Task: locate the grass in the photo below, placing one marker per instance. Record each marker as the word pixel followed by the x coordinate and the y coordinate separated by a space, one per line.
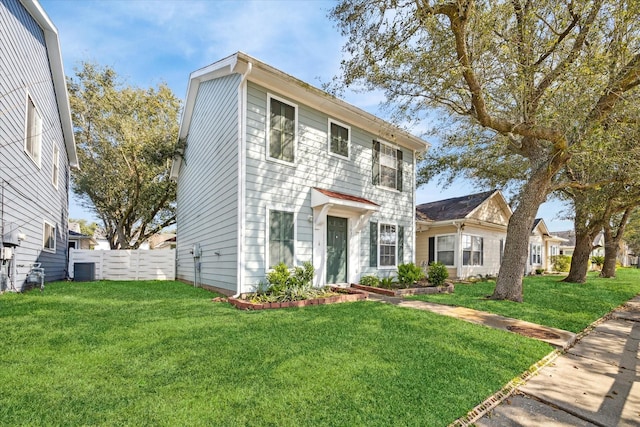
pixel 548 301
pixel 162 354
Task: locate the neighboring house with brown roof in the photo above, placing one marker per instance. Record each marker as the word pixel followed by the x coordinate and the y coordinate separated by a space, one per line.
pixel 276 170
pixel 466 233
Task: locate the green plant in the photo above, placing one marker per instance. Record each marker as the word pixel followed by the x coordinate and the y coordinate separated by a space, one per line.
pixel 561 262
pixel 539 271
pixel 438 273
pixel 386 282
pixel 597 260
pixel 370 280
pixel 285 284
pixel 409 273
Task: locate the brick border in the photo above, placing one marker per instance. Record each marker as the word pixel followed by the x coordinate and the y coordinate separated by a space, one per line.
pixel 409 291
pixel 346 295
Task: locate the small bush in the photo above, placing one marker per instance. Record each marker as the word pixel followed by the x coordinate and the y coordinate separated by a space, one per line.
pixel 370 280
pixel 284 284
pixel 409 273
pixel 387 282
pixel 539 271
pixel 438 273
pixel 597 260
pixel 561 263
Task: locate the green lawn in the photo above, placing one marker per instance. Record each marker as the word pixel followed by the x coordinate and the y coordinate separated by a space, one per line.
pixel 548 301
pixel 161 353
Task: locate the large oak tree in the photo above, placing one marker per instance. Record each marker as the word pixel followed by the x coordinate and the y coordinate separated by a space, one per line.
pixel 126 138
pixel 535 78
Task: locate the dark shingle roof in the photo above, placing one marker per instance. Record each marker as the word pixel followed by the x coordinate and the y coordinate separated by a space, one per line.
pixel 535 223
pixel 449 209
pixel 570 235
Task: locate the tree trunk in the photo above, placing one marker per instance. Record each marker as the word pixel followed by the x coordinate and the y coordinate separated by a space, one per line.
pixel 581 257
pixel 612 243
pixel 516 248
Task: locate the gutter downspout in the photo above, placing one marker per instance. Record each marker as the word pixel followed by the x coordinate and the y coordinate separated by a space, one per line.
pixel 242 183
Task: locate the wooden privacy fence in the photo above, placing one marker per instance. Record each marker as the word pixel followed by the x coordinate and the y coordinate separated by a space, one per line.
pixel 136 264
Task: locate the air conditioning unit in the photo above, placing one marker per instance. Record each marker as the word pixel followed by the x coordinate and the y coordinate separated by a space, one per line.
pixel 11 236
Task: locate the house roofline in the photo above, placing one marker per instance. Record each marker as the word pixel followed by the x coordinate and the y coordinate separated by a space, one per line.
pixel 54 55
pixel 297 90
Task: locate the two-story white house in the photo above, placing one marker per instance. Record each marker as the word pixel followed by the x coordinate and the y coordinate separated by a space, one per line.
pixel 37 146
pixel 275 170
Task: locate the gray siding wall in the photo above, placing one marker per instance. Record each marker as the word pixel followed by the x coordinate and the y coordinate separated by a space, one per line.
pixel 29 197
pixel 208 187
pixel 276 185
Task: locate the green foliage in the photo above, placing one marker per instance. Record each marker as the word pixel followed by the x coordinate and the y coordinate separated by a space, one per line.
pixel 125 138
pixel 437 274
pixel 370 280
pixel 409 273
pixel 597 260
pixel 284 284
pixel 387 282
pixel 86 227
pixel 561 263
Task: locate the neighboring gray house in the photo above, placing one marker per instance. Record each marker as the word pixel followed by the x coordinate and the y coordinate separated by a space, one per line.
pixel 36 145
pixel 276 170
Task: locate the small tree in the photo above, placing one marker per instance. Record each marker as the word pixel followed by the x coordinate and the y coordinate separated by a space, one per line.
pixel 438 273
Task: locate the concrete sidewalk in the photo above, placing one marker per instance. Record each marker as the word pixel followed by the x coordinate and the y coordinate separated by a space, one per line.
pixel 595 383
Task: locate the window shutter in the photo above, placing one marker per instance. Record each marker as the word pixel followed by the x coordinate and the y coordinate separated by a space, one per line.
pixel 399 175
pixel 400 244
pixel 375 164
pixel 432 249
pixel 373 244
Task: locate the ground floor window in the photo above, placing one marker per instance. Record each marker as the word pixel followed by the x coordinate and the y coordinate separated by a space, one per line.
pixel 536 254
pixel 281 238
pixel 445 249
pixel 388 244
pixel 49 237
pixel 472 250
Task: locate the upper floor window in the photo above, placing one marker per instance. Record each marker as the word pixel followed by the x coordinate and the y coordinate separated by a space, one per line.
pixel 387 166
pixel 472 251
pixel 32 142
pixel 339 139
pixel 55 165
pixel 49 237
pixel 281 238
pixel 281 137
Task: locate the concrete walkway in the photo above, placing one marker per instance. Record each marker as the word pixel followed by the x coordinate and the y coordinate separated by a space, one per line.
pixel 556 337
pixel 594 383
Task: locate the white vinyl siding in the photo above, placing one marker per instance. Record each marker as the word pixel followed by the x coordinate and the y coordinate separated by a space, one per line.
pixel 33 138
pixel 387 245
pixel 282 132
pixel 339 139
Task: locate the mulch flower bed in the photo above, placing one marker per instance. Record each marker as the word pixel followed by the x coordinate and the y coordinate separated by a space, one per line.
pixel 345 295
pixel 418 289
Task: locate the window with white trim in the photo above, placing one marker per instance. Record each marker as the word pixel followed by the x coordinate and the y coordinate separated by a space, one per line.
pixel 472 250
pixel 388 244
pixel 49 237
pixel 339 139
pixel 388 166
pixel 282 130
pixel 445 249
pixel 33 137
pixel 536 254
pixel 281 238
pixel 55 166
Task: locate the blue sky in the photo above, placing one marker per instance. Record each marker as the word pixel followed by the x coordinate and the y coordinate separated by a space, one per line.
pixel 153 41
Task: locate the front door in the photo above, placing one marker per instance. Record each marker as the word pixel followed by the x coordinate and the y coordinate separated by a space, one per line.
pixel 336 250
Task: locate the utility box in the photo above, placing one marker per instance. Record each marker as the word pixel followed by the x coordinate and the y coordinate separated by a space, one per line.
pixel 84 271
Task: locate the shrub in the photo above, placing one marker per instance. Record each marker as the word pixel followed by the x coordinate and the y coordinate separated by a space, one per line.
pixel 539 271
pixel 386 282
pixel 438 273
pixel 409 273
pixel 370 280
pixel 597 260
pixel 561 262
pixel 284 284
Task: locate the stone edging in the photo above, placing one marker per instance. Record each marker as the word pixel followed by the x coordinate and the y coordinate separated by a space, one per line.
pixel 349 296
pixel 409 291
